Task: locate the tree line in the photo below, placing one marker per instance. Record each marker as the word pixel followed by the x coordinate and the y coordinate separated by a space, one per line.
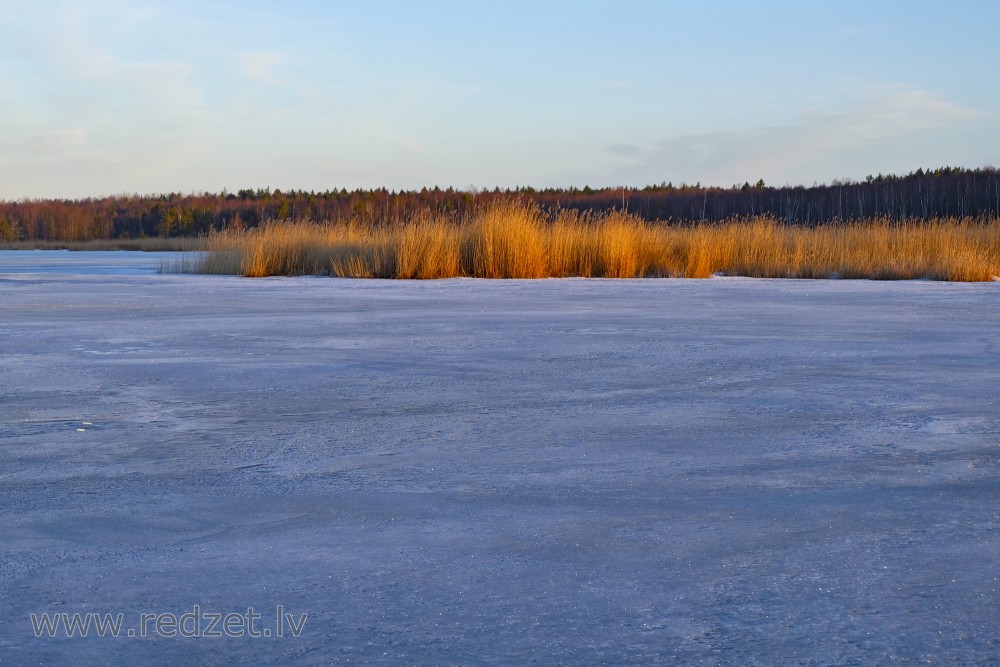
pixel 920 195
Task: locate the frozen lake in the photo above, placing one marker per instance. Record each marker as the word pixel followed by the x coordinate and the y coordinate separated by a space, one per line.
pixel 85 262
pixel 472 472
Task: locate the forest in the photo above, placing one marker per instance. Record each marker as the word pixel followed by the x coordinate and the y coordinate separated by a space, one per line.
pixel 946 192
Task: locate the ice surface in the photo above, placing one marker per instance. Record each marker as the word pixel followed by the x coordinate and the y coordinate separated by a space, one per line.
pixel 476 472
pixel 86 262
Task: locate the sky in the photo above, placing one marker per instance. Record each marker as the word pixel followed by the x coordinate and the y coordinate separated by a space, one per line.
pixel 104 97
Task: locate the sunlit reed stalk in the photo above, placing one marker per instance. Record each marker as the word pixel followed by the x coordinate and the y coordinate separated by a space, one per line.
pixel 514 239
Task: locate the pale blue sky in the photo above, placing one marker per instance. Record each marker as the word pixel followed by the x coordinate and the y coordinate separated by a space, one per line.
pixel 110 96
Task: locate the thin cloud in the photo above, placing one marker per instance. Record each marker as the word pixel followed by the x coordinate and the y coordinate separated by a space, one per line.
pixel 109 112
pixel 261 66
pixel 884 115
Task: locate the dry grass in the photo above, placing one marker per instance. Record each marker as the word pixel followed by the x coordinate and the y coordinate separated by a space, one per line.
pixel 516 240
pixel 506 240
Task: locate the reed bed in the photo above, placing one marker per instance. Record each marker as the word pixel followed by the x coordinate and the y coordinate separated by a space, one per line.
pixel 513 239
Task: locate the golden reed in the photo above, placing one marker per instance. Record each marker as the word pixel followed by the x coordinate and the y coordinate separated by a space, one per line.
pixel 513 239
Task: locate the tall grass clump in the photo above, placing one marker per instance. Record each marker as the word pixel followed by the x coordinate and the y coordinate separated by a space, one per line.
pixel 514 239
pixel 505 240
pixel 428 247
